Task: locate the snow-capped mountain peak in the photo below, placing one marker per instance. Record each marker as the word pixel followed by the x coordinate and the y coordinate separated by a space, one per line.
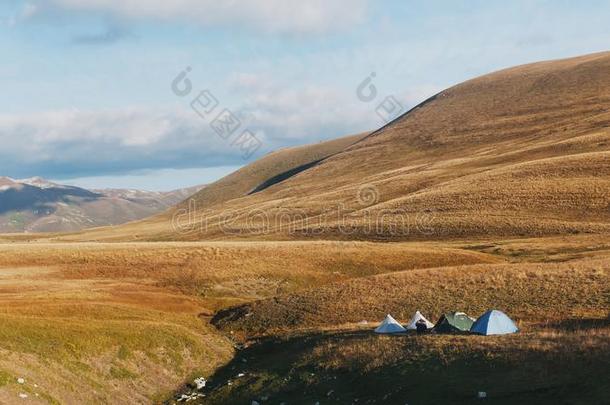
pixel 38 182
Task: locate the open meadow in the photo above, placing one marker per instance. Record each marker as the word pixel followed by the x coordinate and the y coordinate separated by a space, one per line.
pixel 268 283
pixel 130 323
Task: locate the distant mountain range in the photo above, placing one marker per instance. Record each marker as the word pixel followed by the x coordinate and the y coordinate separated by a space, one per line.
pixel 38 205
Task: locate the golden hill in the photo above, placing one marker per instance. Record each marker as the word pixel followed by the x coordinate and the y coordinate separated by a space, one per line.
pixel 524 151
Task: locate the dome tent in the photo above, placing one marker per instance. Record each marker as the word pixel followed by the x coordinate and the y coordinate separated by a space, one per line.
pixel 494 322
pixel 390 325
pixel 454 322
pixel 417 317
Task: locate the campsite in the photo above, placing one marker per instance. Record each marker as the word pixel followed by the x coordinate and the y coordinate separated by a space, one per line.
pixel 492 322
pixel 304 202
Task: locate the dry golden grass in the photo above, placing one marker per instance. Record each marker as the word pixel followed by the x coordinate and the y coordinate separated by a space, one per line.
pixel 232 271
pixel 93 322
pixel 521 152
pixel 525 291
pixel 81 341
pixel 562 362
pixel 122 323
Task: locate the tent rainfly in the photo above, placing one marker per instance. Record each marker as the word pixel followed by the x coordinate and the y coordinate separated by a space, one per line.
pixel 454 322
pixel 494 322
pixel 390 325
pixel 417 317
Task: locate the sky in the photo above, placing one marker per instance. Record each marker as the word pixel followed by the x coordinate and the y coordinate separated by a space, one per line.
pixel 158 94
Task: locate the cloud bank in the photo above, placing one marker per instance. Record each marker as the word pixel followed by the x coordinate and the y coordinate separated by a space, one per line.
pixel 272 16
pixel 82 143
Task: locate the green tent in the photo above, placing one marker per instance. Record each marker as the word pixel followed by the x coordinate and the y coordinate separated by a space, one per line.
pixel 453 322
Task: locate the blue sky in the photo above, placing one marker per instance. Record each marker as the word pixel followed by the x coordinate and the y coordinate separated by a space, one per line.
pixel 86 84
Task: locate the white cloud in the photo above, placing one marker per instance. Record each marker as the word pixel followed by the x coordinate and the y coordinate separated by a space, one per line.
pixel 81 143
pixel 27 11
pixel 297 16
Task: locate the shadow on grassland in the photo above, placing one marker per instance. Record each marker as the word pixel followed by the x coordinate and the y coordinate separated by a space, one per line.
pixel 349 366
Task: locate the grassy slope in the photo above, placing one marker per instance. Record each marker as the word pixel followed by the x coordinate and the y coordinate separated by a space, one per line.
pixel 526 291
pixel 520 152
pixel 125 323
pixel 302 346
pixel 217 195
pixel 563 363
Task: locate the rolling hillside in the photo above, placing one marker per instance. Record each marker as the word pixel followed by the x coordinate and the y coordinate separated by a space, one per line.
pixel 483 158
pixel 494 193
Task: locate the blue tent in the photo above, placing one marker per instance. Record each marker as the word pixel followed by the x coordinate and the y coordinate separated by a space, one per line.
pixel 494 323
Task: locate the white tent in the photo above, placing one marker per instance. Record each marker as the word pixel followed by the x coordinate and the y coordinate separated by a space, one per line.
pixel 390 325
pixel 417 317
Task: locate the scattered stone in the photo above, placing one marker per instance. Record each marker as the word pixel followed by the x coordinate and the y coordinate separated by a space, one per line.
pixel 482 394
pixel 329 393
pixel 23 395
pixel 255 403
pixel 184 397
pixel 244 360
pixel 240 375
pixel 265 398
pixel 21 380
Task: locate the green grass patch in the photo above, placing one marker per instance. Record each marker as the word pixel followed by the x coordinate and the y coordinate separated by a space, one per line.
pixel 5 378
pixel 121 373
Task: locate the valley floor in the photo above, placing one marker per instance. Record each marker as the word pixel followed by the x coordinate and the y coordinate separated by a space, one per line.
pixel 130 323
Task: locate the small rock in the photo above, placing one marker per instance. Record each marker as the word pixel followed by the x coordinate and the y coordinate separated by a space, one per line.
pixel 481 394
pixel 255 403
pixel 240 375
pixel 244 360
pixel 329 393
pixel 23 395
pixel 265 398
pixel 21 380
pixel 200 383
